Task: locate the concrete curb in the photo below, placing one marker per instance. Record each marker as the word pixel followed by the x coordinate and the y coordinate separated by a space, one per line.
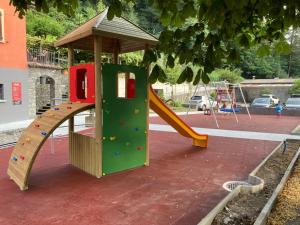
pixel 296 130
pixel 256 185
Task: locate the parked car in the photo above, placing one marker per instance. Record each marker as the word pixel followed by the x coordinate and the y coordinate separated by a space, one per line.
pixel 295 95
pixel 272 97
pixel 293 103
pixel 201 102
pixel 262 102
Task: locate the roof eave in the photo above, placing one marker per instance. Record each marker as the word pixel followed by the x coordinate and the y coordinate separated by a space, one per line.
pixel 65 41
pixel 124 37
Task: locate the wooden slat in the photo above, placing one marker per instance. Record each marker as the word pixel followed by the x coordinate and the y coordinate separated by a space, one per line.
pixel 84 153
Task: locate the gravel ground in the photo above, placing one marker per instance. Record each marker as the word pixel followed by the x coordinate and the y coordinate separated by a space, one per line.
pixel 10 136
pixel 287 209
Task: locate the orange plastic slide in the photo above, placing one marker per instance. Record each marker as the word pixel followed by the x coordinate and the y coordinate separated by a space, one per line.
pixel 178 124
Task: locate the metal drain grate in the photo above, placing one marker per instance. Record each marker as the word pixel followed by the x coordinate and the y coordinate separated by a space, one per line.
pixel 231 185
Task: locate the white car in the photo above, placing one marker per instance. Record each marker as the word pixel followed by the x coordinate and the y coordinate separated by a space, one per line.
pixel 201 102
pixel 273 98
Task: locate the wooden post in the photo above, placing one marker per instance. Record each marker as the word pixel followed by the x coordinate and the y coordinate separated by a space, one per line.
pixel 147 111
pixel 98 97
pixel 70 63
pixel 116 48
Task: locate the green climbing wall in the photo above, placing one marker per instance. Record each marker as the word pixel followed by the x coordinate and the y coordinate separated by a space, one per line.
pixel 124 121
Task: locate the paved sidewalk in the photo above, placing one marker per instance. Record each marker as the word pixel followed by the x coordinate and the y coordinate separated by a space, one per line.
pixel 231 133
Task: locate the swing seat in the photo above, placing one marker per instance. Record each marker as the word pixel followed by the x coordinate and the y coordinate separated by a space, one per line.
pixel 230 110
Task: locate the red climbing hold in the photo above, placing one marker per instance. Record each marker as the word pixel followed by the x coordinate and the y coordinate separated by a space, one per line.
pixel 139 148
pixel 69 107
pixel 37 125
pixel 22 157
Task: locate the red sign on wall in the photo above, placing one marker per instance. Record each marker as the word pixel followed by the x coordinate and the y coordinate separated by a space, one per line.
pixel 16 93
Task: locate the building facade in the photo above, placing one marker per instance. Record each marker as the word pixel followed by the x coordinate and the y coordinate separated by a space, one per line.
pixel 13 65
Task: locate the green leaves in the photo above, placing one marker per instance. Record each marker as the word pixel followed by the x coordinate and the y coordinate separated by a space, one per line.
pixel 198 77
pixel 150 56
pixel 170 61
pixel 157 74
pixel 263 50
pixel 154 74
pixel 115 9
pixel 186 75
pixel 245 40
pixel 282 47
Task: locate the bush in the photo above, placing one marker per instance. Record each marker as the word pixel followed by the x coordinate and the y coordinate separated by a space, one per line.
pixel 213 94
pixel 231 76
pixel 265 91
pixel 295 89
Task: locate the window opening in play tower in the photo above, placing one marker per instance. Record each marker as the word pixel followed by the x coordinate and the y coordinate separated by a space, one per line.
pixel 81 83
pixel 126 85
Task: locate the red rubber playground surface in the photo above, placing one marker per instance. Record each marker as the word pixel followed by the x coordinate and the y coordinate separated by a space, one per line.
pixel 259 123
pixel 181 185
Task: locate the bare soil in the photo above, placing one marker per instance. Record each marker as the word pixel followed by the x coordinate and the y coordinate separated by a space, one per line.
pixel 244 209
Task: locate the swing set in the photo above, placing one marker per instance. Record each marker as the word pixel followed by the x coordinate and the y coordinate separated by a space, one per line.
pixel 225 99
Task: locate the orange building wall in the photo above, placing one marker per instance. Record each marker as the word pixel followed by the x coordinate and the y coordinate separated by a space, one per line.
pixel 13 50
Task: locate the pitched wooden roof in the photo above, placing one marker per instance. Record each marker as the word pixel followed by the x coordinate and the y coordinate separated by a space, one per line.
pixel 130 36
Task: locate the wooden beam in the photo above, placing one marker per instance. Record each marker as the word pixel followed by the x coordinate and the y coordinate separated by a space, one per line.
pixel 116 51
pixel 98 102
pixel 147 111
pixel 70 63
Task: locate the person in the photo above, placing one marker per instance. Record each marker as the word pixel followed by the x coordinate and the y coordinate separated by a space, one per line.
pixel 278 109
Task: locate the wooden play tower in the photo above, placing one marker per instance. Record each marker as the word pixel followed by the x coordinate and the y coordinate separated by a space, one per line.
pixel 121 123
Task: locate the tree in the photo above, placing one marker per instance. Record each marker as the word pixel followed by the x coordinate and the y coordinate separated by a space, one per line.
pixel 220 26
pixel 291 61
pixel 232 76
pixel 259 66
pixel 295 89
pixel 42 25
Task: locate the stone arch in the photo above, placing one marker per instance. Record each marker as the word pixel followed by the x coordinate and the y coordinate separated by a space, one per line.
pixel 44 91
pixel 61 84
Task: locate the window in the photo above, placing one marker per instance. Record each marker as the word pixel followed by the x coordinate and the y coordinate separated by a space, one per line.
pixel 1 25
pixel 1 92
pixel 126 85
pixel 81 79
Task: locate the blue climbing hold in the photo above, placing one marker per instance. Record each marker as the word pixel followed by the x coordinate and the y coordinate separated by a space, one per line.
pixel 136 129
pixel 117 153
pixel 43 133
pixel 14 158
pixel 56 108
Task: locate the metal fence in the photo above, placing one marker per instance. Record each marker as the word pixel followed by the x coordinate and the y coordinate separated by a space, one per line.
pixel 45 57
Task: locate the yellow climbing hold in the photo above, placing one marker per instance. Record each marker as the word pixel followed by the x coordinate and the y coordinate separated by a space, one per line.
pixel 146 132
pixel 112 138
pixel 103 138
pixel 103 174
pixel 136 111
pixel 27 139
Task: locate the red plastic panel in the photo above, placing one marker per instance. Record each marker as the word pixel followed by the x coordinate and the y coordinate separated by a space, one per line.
pixel 82 83
pixel 131 88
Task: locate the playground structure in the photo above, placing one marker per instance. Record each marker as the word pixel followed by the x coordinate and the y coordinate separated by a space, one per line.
pixel 120 95
pixel 225 99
